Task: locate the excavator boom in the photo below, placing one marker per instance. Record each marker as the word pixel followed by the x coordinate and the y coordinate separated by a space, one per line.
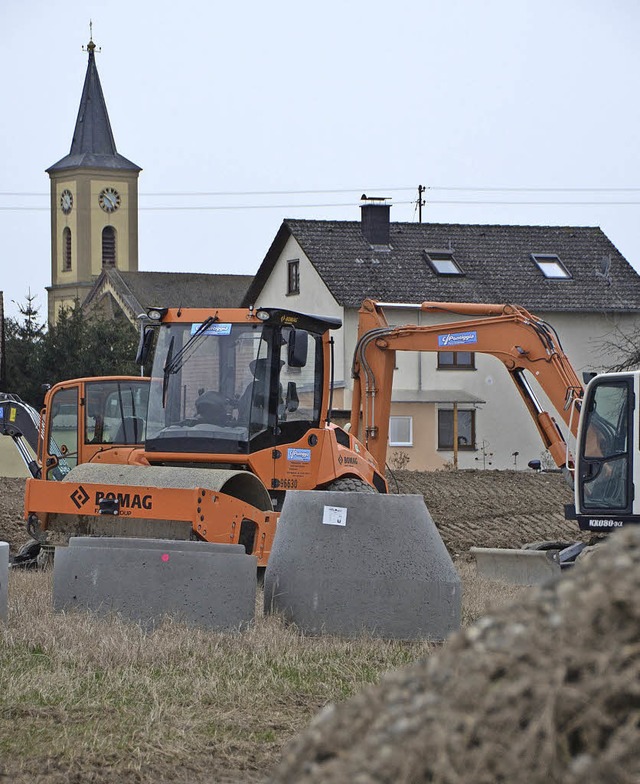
pixel 520 340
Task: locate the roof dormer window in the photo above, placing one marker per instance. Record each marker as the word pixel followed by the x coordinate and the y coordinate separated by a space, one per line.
pixel 443 262
pixel 550 266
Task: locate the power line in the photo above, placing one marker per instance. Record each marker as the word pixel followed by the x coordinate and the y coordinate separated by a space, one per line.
pixel 239 193
pixel 395 189
pixel 429 202
pixel 197 207
pixel 204 207
pixel 522 189
pixel 276 193
pixel 532 203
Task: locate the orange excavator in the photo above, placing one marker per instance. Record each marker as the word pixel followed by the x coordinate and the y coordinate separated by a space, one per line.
pixel 239 414
pixel 522 342
pixel 604 417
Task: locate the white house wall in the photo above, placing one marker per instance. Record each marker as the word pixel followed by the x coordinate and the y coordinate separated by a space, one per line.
pixel 314 298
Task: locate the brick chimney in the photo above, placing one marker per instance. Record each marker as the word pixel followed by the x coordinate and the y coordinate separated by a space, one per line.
pixel 374 213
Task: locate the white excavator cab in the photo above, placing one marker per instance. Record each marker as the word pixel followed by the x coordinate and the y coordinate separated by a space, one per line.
pixel 608 439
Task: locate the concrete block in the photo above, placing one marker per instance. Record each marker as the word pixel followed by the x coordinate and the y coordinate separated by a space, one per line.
pixel 208 585
pixel 518 567
pixel 4 581
pixel 351 563
pixel 182 545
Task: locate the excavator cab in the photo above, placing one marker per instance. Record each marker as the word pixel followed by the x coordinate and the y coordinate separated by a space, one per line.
pixel 607 442
pixel 230 387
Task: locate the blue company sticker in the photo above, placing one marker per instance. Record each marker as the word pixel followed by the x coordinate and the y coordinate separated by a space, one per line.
pixel 299 455
pixel 213 329
pixel 457 339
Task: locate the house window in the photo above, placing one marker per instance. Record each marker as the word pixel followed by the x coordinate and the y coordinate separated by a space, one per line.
pixel 293 276
pixel 108 246
pixel 550 265
pixel 466 429
pixel 443 262
pixel 400 431
pixel 66 249
pixel 456 360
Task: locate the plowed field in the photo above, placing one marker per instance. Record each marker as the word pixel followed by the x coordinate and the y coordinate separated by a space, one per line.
pixel 470 508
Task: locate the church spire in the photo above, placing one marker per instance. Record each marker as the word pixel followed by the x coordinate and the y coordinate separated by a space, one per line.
pixel 93 145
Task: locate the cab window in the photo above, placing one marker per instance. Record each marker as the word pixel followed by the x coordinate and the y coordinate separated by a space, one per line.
pixel 604 480
pixel 63 431
pixel 115 412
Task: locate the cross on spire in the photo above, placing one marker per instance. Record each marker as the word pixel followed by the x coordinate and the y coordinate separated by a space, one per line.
pixel 91 47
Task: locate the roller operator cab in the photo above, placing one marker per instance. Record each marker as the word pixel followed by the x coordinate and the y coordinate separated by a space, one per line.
pixel 249 389
pixel 607 469
pixel 227 388
pixel 91 420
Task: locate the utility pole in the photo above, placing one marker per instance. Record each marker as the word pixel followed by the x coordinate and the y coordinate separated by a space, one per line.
pixel 421 201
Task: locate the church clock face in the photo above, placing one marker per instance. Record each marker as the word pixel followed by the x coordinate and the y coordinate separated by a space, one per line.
pixel 66 201
pixel 109 199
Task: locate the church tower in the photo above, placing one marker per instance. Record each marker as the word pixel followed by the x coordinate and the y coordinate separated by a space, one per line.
pixel 94 203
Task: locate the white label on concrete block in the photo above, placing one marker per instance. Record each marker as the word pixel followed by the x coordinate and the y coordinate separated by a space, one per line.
pixel 334 515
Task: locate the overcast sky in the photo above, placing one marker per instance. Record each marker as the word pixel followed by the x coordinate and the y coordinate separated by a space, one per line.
pixel 255 103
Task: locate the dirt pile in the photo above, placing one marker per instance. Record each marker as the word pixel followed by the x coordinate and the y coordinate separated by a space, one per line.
pixel 470 508
pixel 545 690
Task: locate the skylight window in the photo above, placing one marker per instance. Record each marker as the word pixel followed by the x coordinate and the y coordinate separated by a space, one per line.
pixel 443 262
pixel 550 265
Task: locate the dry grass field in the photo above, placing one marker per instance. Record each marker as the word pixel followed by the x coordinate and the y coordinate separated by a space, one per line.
pixel 89 700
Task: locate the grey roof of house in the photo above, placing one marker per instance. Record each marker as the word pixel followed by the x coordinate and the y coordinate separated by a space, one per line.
pixel 495 259
pixel 142 290
pixel 189 289
pixel 93 145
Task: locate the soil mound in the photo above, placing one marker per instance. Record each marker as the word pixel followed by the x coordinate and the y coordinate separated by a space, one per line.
pixel 545 690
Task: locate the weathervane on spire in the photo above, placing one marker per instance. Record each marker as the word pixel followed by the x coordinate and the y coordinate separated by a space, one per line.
pixel 91 47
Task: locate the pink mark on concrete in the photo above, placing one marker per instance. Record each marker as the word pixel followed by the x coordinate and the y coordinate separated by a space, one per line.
pixel 164 557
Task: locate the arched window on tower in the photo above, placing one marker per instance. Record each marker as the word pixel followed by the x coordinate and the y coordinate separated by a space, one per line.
pixel 66 249
pixel 108 246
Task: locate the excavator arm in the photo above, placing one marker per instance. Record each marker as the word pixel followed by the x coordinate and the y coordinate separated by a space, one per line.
pixel 520 340
pixel 21 422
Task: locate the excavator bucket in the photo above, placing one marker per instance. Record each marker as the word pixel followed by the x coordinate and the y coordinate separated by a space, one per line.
pixel 535 563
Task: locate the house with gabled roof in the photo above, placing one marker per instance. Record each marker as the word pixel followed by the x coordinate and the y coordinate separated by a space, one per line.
pixel 572 277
